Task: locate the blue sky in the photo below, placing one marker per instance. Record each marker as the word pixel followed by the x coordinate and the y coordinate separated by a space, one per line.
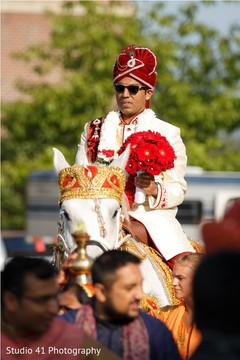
pixel 220 15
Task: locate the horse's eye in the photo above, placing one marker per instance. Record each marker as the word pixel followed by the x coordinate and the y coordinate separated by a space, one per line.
pixel 116 212
pixel 67 217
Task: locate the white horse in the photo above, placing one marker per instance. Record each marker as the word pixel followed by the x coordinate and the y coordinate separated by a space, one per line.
pixel 94 195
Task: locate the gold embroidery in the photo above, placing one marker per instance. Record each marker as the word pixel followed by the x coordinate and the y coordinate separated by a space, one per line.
pixel 150 304
pixel 162 270
pixel 166 270
pixel 197 246
pixel 131 247
pixel 92 182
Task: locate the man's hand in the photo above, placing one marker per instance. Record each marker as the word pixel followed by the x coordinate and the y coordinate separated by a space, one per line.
pixel 146 182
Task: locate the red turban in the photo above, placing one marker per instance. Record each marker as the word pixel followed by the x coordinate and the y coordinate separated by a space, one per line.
pixel 138 63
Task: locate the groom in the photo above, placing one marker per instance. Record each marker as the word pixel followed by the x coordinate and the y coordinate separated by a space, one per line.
pixel 134 79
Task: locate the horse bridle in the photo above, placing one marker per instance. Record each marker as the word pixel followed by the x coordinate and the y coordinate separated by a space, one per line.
pixel 61 231
pixel 98 244
pixel 100 219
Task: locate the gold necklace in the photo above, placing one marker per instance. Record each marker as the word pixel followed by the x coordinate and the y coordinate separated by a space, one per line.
pixel 188 342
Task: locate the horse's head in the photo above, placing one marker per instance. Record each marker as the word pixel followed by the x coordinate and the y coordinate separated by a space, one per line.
pixel 92 195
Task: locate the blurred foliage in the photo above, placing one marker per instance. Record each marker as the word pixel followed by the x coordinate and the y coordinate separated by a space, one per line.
pixel 198 83
pixel 197 90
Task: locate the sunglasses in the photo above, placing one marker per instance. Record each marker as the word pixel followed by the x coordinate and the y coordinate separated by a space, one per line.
pixel 132 89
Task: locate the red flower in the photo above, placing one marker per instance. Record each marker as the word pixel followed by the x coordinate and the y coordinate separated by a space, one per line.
pixel 147 151
pixel 154 169
pixel 140 166
pixel 107 153
pixel 131 166
pixel 150 152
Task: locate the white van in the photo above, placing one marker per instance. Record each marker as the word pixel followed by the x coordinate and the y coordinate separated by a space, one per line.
pixel 208 196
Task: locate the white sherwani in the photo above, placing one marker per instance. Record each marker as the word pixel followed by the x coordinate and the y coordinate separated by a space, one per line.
pixel 158 215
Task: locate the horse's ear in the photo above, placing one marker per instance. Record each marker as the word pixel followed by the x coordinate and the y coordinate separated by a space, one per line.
pixel 81 157
pixel 59 161
pixel 122 160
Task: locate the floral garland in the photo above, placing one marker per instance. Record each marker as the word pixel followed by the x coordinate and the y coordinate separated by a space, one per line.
pixel 108 146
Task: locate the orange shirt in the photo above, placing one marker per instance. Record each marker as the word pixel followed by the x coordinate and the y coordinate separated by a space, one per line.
pixel 187 338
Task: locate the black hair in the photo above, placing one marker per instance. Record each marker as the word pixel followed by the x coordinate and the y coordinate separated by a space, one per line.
pixel 105 266
pixel 14 274
pixel 81 294
pixel 216 291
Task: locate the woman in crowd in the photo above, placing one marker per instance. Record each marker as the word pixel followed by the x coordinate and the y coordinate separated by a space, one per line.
pixel 179 319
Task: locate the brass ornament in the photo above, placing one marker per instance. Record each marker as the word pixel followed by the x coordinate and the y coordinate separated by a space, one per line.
pixel 82 265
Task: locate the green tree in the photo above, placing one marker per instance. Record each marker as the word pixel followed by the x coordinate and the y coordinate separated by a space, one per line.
pixel 84 42
pixel 199 83
pixel 198 88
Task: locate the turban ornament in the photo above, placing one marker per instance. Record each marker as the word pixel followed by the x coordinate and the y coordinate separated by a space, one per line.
pixel 139 63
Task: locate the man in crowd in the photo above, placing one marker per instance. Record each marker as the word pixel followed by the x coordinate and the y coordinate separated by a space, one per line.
pixel 113 316
pixel 72 296
pixel 30 329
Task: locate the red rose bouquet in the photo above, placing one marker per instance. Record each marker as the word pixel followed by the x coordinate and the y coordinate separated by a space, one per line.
pixel 150 152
